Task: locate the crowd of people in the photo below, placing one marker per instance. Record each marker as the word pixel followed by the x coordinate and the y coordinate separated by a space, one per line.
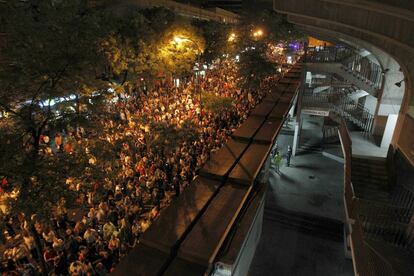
pixel 153 168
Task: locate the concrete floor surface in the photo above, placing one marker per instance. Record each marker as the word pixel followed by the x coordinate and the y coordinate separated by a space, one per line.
pixel 312 185
pixel 285 252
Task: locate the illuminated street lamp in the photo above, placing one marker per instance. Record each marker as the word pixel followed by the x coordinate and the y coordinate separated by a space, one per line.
pixel 258 33
pixel 180 40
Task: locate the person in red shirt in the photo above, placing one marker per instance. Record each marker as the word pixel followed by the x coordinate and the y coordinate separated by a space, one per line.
pixel 49 256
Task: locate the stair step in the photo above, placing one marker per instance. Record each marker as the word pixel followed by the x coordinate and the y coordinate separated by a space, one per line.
pixel 376 171
pixel 370 184
pixel 376 182
pixel 368 161
pixel 373 167
pixel 377 199
pixel 378 167
pixel 360 178
pixel 310 148
pixel 384 234
pixel 400 259
pixel 373 194
pixel 372 161
pixel 368 175
pixel 377 192
pixel 315 225
pixel 368 193
pixel 372 189
pixel 373 198
pixel 390 239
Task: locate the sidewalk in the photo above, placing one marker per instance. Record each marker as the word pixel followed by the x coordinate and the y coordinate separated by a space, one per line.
pixel 311 186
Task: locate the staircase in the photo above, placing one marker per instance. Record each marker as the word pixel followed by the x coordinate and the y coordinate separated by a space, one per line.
pixel 308 147
pixel 364 69
pixel 352 76
pixel 330 135
pixel 340 105
pixel 314 225
pixel 370 179
pixel 384 216
pixel 357 69
pixel 328 54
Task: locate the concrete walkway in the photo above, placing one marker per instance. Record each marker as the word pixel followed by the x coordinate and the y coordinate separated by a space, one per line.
pixel 313 186
pixel 285 252
pixel 366 147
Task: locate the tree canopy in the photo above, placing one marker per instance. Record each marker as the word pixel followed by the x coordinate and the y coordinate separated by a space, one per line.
pixel 62 62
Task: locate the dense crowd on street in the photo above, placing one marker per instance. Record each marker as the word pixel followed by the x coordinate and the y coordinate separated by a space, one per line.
pixel 112 214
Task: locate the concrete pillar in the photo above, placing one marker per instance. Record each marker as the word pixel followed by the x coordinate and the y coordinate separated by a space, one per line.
pixel 292 109
pixel 296 138
pixel 389 130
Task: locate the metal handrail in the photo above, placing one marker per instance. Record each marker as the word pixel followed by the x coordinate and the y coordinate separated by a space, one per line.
pixel 371 208
pixel 367 261
pixel 342 105
pixel 360 66
pixel 327 54
pixel 365 69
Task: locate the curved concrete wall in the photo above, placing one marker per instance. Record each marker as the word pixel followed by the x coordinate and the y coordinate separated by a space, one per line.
pixel 385 24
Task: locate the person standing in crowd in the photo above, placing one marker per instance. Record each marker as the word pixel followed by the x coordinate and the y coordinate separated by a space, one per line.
pixel 111 214
pixel 288 155
pixel 58 141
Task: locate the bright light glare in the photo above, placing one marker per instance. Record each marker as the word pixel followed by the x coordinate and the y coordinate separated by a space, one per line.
pixel 178 39
pixel 258 33
pixel 177 82
pixel 232 37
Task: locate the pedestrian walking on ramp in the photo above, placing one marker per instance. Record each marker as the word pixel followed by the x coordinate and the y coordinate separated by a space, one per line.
pixel 277 160
pixel 288 155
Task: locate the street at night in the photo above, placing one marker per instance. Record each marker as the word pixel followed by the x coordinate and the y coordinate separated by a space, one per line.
pixel 206 137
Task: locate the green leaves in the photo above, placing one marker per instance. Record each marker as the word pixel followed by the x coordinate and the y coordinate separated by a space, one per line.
pixel 179 48
pixel 58 60
pixel 253 67
pixel 216 36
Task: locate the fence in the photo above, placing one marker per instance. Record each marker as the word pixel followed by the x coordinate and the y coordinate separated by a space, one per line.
pixel 343 106
pixel 327 54
pixel 367 261
pixel 364 69
pixel 361 67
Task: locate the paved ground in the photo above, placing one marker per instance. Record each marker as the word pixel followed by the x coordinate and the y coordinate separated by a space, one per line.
pixel 312 185
pixel 363 146
pixel 283 252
